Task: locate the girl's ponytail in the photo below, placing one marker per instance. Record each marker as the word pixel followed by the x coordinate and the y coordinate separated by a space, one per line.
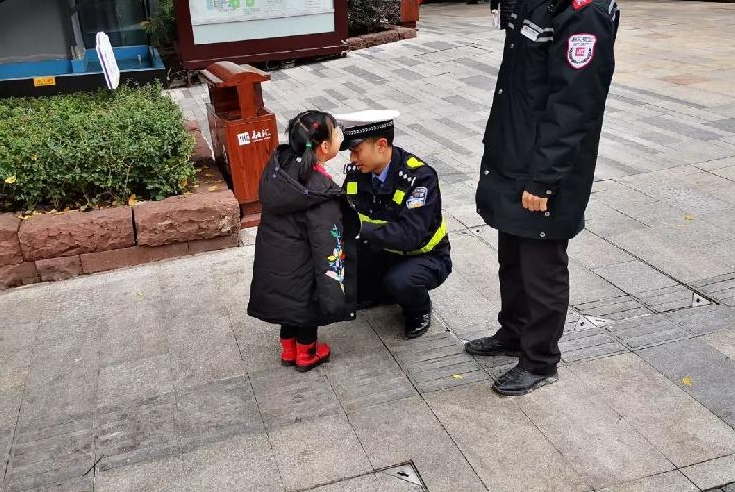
pixel 306 131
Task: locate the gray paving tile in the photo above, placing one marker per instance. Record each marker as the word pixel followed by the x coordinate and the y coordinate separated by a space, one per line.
pixel 145 432
pixel 287 397
pixel 215 412
pixel 54 456
pixel 709 373
pixel 589 344
pixel 602 448
pixel 647 331
pixel 407 430
pixel 614 308
pixel 475 411
pixel 126 383
pixel 671 299
pixel 161 475
pixel 242 463
pixel 483 67
pixel 724 341
pixel 712 473
pixel 480 82
pixel 688 434
pixel 362 380
pixel 720 288
pixel 317 452
pixel 707 319
pixel 673 481
pixel 661 97
pixel 634 277
pixel 79 484
pixel 439 362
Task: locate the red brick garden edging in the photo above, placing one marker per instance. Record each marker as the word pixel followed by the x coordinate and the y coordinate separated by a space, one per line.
pixel 53 247
pixel 391 35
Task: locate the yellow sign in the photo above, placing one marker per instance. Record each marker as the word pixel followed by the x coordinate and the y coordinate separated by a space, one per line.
pixel 43 81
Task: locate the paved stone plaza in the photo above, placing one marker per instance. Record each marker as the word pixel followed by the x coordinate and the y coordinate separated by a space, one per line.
pixel 155 379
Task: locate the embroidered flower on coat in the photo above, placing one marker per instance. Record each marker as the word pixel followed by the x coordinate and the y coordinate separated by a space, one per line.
pixel 337 260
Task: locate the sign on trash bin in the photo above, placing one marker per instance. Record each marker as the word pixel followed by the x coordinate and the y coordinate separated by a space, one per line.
pixel 107 60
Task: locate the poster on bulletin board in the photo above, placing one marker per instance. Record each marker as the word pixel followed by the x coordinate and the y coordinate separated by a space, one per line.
pixel 205 12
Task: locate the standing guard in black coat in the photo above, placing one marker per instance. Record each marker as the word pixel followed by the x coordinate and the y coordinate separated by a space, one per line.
pixel 403 248
pixel 305 269
pixel 536 174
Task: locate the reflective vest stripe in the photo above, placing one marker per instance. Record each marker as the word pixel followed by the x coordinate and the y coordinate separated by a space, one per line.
pixel 413 163
pixel 352 187
pixel 440 234
pixel 365 218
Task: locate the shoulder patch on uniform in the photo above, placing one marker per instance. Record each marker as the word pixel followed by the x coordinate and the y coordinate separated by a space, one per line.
pixel 413 162
pixel 581 50
pixel 418 197
pixel 578 4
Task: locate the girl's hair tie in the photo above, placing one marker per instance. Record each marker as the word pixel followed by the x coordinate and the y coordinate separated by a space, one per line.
pixel 308 145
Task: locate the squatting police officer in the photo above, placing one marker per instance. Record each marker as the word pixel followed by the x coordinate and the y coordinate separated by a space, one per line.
pixel 537 171
pixel 403 248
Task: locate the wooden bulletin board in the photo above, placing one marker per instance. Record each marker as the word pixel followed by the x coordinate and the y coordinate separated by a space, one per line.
pixel 246 31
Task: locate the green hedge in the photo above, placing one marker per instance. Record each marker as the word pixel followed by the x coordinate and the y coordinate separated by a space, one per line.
pixel 92 149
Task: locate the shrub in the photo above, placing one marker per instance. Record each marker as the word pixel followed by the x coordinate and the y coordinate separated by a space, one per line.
pixel 92 149
pixel 365 16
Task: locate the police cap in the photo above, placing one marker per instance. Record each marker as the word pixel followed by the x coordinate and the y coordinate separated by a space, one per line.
pixel 362 125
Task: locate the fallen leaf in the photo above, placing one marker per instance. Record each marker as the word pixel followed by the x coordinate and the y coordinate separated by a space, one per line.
pixel 212 188
pixel 10 179
pixel 687 381
pixel 457 376
pixel 34 157
pixel 132 200
pixel 209 175
pixel 139 294
pixel 689 217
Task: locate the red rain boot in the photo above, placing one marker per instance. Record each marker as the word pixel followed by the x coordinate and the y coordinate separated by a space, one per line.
pixel 288 351
pixel 311 355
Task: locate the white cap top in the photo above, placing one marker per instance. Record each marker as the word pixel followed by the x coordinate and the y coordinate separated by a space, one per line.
pixel 360 118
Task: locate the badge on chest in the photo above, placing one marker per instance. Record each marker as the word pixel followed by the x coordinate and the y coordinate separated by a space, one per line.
pixel 417 198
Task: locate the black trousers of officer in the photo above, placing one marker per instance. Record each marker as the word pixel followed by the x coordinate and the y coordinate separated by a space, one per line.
pixel 534 293
pixel 406 280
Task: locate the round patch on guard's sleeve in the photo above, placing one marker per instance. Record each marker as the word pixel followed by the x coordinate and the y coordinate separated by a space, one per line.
pixel 581 50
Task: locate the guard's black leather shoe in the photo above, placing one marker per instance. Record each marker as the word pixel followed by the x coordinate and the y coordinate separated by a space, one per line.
pixel 417 325
pixel 490 346
pixel 518 382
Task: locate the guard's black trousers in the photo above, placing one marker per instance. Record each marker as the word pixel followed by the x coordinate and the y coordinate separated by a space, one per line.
pixel 534 296
pixel 406 280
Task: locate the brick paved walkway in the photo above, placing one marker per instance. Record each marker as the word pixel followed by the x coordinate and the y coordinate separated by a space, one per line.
pixel 157 375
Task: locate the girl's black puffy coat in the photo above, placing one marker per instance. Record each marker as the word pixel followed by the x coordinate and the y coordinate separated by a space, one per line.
pixel 305 266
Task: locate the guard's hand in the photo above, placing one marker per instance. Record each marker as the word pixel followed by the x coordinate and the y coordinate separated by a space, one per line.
pixel 534 203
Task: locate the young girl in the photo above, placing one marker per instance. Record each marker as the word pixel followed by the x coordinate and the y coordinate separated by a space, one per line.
pixel 305 252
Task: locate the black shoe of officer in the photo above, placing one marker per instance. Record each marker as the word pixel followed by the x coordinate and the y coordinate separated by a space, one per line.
pixel 518 381
pixel 417 325
pixel 490 347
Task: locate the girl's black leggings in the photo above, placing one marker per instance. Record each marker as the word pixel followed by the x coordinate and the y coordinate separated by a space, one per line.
pixel 303 335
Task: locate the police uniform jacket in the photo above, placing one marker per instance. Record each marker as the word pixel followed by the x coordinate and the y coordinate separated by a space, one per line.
pixel 544 127
pixel 305 269
pixel 404 215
